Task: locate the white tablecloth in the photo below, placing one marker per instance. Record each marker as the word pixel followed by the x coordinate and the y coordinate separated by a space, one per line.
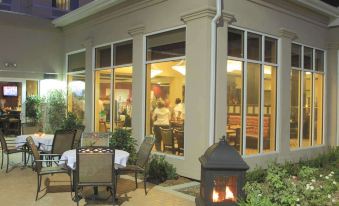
pixel 120 160
pixel 45 140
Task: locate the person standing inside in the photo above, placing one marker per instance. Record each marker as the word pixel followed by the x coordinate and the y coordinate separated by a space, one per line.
pixel 179 110
pixel 161 116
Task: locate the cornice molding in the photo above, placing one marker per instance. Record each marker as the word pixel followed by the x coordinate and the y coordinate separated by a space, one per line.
pixel 333 45
pixel 287 34
pixel 208 12
pixel 136 30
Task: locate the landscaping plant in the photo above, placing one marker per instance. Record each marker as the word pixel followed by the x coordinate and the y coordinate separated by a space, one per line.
pixel 72 122
pixel 122 139
pixel 33 109
pixel 159 170
pixel 56 110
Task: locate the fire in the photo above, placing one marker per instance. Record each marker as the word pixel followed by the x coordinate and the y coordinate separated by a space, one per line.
pixel 229 194
pixel 215 196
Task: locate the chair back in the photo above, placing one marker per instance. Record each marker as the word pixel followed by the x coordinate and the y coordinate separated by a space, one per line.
pixel 36 155
pixel 3 142
pixel 95 166
pixel 63 141
pixel 166 135
pixel 179 134
pixel 27 128
pixel 144 151
pixel 102 126
pixel 77 137
pixel 95 139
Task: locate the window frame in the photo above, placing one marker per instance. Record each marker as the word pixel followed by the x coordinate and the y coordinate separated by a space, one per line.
pixel 112 67
pixel 301 113
pixel 262 63
pixel 144 73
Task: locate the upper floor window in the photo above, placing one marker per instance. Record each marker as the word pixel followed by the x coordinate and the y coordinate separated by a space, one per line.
pixel 62 4
pixel 307 91
pixel 251 91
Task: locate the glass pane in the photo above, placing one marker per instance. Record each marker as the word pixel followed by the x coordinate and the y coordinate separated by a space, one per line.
pixel 270 99
pixel 122 107
pixel 296 56
pixel 76 62
pixel 307 95
pixel 234 103
pixel 103 57
pixel 166 45
pixel 225 189
pixel 165 107
pixel 103 79
pixel 123 53
pixel 76 95
pixel 31 87
pixel 308 58
pixel 318 108
pixel 235 43
pixel 295 108
pixel 319 60
pixel 253 109
pixel 253 46
pixel 271 46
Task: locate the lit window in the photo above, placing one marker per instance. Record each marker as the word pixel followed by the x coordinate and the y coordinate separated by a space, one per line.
pixel 165 90
pixel 61 4
pixel 307 84
pixel 251 92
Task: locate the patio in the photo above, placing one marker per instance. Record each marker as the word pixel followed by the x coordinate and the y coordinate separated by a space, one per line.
pixel 20 184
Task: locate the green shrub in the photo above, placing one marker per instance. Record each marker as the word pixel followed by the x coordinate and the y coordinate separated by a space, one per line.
pixel 56 110
pixel 159 170
pixel 72 122
pixel 257 175
pixel 123 140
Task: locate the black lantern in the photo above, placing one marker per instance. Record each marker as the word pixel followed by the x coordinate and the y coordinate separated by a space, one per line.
pixel 222 176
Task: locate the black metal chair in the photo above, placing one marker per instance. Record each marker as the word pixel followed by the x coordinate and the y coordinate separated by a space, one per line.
pixel 8 147
pixel 77 137
pixel 167 139
pixel 93 164
pixel 141 162
pixel 40 170
pixel 179 136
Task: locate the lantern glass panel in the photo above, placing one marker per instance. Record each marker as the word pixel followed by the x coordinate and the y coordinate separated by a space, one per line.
pixel 224 189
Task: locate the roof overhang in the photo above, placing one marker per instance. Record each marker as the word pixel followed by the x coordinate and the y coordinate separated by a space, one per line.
pixel 323 8
pixel 85 11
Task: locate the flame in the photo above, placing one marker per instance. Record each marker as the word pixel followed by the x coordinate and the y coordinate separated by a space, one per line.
pixel 228 194
pixel 215 196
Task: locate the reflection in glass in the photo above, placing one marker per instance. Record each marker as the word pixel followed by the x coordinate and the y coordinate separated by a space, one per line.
pixel 234 103
pixel 318 108
pixel 308 58
pixel 103 79
pixel 319 60
pixel 166 45
pixel 123 53
pixel 122 106
pixel 165 106
pixel 253 46
pixel 103 56
pixel 271 46
pixel 295 108
pixel 253 108
pixel 76 95
pixel 235 43
pixel 307 112
pixel 296 56
pixel 270 96
pixel 76 62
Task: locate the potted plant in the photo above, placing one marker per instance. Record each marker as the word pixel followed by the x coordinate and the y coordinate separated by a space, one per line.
pixel 33 109
pixel 72 122
pixel 56 110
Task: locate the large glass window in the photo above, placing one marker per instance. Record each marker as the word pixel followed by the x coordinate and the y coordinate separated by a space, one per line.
pixel 76 84
pixel 113 88
pixel 251 92
pixel 307 82
pixel 165 91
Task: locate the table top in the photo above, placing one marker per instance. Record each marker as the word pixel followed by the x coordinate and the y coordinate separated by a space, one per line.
pixel 120 160
pixel 45 141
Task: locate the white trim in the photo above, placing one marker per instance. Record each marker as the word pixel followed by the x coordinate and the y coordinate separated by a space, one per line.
pixel 301 106
pixel 307 148
pixel 164 30
pixel 261 98
pixel 313 99
pixel 337 86
pixel 166 60
pixel 244 96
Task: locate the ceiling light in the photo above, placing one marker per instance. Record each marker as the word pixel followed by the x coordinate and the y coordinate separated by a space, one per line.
pixel 155 73
pixel 234 66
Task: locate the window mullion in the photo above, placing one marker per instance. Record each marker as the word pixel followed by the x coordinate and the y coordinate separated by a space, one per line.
pixel 244 108
pixel 261 96
pixel 313 100
pixel 301 97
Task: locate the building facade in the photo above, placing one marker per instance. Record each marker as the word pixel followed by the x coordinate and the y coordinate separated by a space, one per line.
pixel 146 65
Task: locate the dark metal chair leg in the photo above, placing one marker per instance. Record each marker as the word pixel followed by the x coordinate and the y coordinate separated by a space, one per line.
pixel 2 159
pixel 145 183
pixel 7 163
pixel 38 187
pixel 136 179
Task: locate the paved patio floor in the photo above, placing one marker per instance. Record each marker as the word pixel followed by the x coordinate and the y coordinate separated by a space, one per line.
pixel 18 187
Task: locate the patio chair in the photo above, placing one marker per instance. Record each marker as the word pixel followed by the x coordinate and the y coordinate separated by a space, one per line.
pixel 92 169
pixel 8 147
pixel 40 170
pixel 95 139
pixel 141 162
pixel 167 139
pixel 77 137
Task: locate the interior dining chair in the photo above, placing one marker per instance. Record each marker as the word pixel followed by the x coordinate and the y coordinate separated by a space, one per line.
pixel 179 136
pixel 140 165
pixel 40 170
pixel 167 139
pixel 77 137
pixel 8 147
pixel 92 164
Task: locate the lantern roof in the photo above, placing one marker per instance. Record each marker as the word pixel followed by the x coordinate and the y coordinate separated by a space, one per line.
pixel 222 156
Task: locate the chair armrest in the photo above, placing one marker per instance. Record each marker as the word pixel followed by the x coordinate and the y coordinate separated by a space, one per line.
pixel 50 160
pixel 50 154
